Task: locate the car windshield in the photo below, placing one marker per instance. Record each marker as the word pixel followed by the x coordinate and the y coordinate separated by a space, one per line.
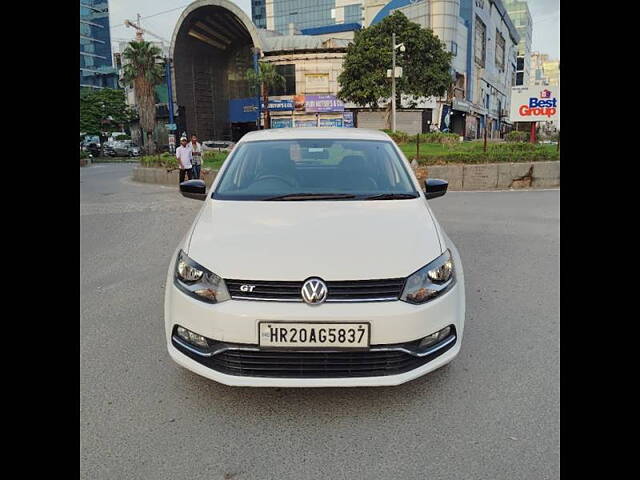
pixel 315 169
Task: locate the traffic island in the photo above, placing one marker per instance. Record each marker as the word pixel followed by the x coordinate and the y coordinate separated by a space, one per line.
pixel 494 176
pixel 163 176
pixel 484 176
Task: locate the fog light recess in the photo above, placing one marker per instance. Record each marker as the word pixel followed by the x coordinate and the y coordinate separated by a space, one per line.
pixel 191 337
pixel 434 338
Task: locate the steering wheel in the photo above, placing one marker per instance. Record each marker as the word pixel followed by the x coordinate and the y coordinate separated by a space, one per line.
pixel 275 177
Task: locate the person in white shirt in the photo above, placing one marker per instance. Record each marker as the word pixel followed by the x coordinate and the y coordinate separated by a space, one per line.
pixel 183 154
pixel 196 155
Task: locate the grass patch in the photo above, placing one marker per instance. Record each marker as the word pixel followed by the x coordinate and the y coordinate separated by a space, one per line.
pixel 473 152
pixel 211 160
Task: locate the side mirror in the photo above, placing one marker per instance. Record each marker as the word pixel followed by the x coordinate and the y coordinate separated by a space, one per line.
pixel 195 189
pixel 434 187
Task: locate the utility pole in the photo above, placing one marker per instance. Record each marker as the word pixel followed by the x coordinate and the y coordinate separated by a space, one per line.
pixel 393 84
pixel 393 78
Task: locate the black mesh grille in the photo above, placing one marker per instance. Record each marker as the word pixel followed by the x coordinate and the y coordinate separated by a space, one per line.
pixel 340 291
pixel 287 364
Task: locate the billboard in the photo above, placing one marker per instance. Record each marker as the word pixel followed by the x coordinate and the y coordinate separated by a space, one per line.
pixel 536 103
pixel 323 103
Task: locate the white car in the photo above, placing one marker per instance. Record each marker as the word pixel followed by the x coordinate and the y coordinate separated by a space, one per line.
pixel 315 261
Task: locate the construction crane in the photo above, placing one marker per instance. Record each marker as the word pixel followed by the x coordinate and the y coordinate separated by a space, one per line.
pixel 140 31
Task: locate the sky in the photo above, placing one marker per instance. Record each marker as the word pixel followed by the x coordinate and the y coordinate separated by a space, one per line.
pixel 162 16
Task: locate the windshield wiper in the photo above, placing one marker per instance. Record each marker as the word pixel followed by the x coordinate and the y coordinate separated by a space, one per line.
pixel 391 196
pixel 311 196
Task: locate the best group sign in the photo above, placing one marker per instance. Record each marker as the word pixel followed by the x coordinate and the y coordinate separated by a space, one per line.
pixel 536 103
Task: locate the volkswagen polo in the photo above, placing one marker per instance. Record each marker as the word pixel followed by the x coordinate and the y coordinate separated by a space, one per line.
pixel 315 261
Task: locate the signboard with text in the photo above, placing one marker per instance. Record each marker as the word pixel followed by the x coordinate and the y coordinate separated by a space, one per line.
pixel 281 122
pixel 537 103
pixel 323 103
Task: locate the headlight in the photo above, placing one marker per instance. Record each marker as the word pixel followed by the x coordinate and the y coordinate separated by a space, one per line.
pixel 430 281
pixel 198 282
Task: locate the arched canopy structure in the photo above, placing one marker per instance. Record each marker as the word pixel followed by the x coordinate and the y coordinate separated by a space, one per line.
pixel 212 47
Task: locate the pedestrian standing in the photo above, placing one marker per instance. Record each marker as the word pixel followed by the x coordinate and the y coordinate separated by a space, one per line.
pixel 196 155
pixel 183 154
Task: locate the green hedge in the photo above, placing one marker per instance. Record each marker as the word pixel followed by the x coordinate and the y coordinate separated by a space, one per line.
pixel 516 136
pixel 435 137
pixel 168 160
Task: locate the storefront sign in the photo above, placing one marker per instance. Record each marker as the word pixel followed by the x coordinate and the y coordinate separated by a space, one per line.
pixel 280 105
pixel 323 103
pixel 243 110
pixel 306 122
pixel 535 104
pixel 460 105
pixel 331 122
pixel 316 82
pixel 281 122
pixel 348 120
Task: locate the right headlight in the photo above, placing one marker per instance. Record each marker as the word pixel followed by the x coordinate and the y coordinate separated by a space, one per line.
pixel 430 281
pixel 198 282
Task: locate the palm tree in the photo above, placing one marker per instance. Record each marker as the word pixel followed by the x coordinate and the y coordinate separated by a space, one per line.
pixel 267 79
pixel 143 72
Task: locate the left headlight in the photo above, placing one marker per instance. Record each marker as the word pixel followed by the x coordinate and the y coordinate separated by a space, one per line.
pixel 430 281
pixel 198 282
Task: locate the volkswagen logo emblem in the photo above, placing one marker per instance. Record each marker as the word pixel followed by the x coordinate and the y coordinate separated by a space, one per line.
pixel 314 291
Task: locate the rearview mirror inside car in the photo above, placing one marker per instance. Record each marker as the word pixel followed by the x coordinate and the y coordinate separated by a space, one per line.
pixel 195 189
pixel 434 187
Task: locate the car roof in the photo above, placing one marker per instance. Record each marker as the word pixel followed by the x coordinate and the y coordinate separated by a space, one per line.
pixel 314 133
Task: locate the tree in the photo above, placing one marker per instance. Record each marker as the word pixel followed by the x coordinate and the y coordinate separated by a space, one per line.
pixel 143 72
pixel 103 109
pixel 426 65
pixel 266 80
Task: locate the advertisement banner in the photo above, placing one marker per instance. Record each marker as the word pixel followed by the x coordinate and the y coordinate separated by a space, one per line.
pixel 535 104
pixel 316 82
pixel 242 110
pixel 281 122
pixel 306 122
pixel 331 122
pixel 280 105
pixel 348 120
pixel 323 104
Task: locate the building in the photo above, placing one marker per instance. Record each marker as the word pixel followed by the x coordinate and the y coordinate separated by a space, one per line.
pixel 311 17
pixel 521 18
pixel 96 63
pixel 544 70
pixel 483 41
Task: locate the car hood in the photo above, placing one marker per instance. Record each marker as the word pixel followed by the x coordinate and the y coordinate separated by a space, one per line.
pixel 334 240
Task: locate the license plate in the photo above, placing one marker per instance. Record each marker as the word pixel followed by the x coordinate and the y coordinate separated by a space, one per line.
pixel 304 335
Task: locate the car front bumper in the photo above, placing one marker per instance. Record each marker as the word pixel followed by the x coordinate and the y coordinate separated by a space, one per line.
pixel 237 322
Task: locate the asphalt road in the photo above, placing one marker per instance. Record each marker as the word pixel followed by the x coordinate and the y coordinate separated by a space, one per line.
pixel 493 413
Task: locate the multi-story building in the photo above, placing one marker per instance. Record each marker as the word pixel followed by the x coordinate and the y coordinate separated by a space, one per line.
pixel 521 18
pixel 544 70
pixel 483 41
pixel 96 63
pixel 307 16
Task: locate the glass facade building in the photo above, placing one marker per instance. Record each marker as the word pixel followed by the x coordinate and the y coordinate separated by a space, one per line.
pixel 96 64
pixel 280 15
pixel 521 18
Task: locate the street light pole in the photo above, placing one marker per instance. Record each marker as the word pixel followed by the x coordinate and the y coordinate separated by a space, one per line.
pixel 393 78
pixel 393 83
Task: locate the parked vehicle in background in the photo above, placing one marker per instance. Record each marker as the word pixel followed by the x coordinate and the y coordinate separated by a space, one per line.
pixel 107 149
pixel 125 148
pixel 134 150
pixel 93 149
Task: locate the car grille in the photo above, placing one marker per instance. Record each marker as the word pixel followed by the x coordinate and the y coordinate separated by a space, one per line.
pixel 297 364
pixel 340 291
